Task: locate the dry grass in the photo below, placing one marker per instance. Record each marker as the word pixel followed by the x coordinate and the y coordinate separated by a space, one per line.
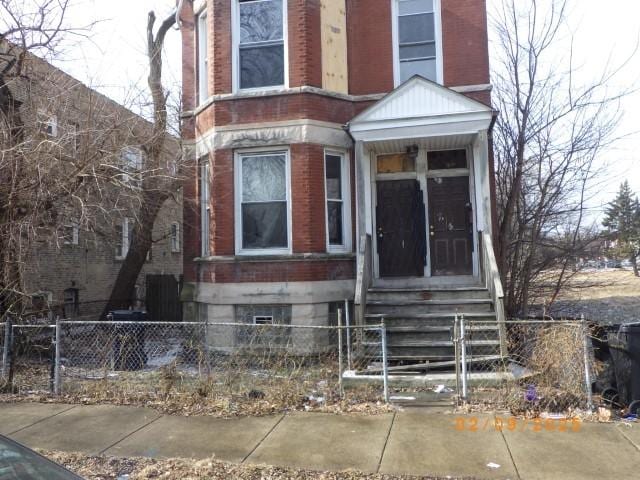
pixel 108 468
pixel 599 284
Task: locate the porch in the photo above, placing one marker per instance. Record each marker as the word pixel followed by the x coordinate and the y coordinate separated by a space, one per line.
pixel 424 220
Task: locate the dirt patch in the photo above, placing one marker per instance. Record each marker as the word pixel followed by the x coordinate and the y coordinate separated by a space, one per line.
pixel 108 468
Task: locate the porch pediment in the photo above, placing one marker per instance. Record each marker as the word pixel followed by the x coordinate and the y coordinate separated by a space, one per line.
pixel 420 106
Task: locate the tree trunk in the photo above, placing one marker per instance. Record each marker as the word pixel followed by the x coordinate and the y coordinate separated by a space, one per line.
pixel 123 290
pixel 634 264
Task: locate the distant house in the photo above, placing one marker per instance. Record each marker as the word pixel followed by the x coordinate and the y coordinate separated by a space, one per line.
pixel 344 154
pixel 75 136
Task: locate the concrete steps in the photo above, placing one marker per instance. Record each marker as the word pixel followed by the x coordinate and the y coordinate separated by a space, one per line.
pixel 420 322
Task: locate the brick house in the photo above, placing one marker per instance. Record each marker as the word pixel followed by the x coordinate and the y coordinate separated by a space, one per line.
pixel 73 261
pixel 344 154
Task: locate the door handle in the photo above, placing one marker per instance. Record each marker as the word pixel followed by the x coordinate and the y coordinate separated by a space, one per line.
pixel 380 233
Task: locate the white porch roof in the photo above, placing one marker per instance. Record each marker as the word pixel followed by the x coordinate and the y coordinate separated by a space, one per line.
pixel 420 108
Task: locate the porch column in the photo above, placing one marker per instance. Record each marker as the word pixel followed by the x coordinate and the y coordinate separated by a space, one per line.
pixel 363 191
pixel 482 186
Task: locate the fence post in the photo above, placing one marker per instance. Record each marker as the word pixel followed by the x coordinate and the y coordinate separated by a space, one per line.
pixel 456 352
pixel 347 317
pixel 385 366
pixel 463 356
pixel 6 358
pixel 56 371
pixel 340 366
pixel 587 366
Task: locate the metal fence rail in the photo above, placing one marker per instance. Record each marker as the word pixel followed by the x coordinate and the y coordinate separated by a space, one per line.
pixel 236 365
pixel 548 365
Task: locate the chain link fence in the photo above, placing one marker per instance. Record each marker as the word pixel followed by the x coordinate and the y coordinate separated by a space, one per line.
pixel 222 367
pixel 545 366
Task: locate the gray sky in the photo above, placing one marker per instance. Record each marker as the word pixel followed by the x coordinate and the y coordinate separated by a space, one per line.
pixel 113 59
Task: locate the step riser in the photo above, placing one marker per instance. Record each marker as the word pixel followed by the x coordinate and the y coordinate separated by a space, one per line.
pixel 399 321
pixel 444 352
pixel 426 295
pixel 399 310
pixel 394 337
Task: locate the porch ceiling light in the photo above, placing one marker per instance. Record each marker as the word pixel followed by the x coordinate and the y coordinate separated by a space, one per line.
pixel 412 151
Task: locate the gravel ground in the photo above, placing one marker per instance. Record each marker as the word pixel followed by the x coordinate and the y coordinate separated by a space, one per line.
pixel 108 468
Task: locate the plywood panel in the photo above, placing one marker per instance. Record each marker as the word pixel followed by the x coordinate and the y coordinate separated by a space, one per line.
pixel 334 46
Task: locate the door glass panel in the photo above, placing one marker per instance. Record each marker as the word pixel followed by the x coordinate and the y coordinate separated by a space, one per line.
pixel 396 163
pixel 447 159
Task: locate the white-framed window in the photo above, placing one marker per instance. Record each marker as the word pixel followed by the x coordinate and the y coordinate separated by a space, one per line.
pixel 132 164
pixel 175 237
pixel 70 233
pixel 417 40
pixel 260 44
pixel 262 206
pixel 205 207
pixel 338 205
pixel 203 56
pixel 48 123
pixel 123 238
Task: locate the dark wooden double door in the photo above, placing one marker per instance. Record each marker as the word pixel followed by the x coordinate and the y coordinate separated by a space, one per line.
pixel 402 234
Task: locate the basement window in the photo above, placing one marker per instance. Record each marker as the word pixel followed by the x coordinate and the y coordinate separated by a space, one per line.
pixel 262 321
pixel 260 43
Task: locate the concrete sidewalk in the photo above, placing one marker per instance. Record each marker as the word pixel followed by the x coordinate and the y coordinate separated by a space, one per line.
pixel 413 441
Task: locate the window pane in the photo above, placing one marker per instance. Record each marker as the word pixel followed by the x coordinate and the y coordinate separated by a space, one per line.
pixel 264 225
pixel 262 66
pixel 264 178
pixel 447 159
pixel 334 176
pixel 416 28
pixel 408 7
pixel 260 21
pixel 418 51
pixel 334 216
pixel 396 163
pixel 426 68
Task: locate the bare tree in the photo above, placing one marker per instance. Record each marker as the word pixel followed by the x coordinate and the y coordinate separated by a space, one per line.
pixel 548 137
pixel 160 181
pixel 61 154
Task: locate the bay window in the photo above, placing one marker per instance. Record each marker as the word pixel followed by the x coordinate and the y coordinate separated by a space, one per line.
pixel 203 57
pixel 338 212
pixel 262 203
pixel 417 49
pixel 259 35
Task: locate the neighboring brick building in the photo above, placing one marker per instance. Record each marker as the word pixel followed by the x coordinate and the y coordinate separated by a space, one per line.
pixel 318 122
pixel 82 142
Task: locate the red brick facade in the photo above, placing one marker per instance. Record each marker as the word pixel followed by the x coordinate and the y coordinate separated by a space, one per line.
pixel 370 71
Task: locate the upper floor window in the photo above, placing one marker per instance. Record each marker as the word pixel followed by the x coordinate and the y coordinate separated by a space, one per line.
pixel 417 40
pixel 203 57
pixel 174 237
pixel 48 123
pixel 259 33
